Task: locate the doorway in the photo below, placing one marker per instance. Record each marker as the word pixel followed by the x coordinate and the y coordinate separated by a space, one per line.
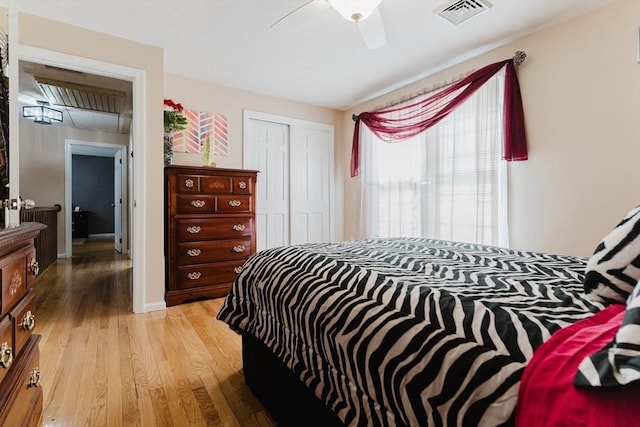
pixel 117 199
pixel 136 181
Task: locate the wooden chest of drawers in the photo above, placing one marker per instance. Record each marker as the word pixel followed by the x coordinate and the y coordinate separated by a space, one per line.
pixel 209 230
pixel 20 391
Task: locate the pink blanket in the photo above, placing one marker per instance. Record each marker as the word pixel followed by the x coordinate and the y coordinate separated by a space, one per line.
pixel 547 396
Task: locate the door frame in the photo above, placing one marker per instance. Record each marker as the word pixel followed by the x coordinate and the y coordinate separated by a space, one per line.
pixel 249 115
pixel 120 238
pixel 138 79
pixel 100 149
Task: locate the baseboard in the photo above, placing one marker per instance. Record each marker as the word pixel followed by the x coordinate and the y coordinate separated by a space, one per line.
pixel 102 235
pixel 155 306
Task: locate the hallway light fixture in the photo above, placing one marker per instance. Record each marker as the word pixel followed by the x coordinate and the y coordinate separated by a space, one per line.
pixel 41 113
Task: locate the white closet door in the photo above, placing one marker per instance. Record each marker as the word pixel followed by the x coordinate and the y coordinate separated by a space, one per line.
pixel 309 185
pixel 268 152
pixel 295 183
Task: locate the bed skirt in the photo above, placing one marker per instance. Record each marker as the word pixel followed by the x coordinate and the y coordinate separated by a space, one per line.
pixel 286 398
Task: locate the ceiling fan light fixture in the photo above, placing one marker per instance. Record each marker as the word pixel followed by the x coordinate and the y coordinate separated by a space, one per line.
pixel 355 10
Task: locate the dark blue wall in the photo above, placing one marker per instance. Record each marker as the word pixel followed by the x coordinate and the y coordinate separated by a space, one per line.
pixel 92 190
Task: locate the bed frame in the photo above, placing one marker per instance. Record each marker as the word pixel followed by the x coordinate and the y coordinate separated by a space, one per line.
pixel 286 398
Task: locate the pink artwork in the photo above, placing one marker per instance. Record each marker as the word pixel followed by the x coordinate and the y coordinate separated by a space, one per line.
pixel 199 124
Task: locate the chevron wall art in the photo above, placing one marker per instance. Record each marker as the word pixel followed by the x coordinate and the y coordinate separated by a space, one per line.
pixel 200 123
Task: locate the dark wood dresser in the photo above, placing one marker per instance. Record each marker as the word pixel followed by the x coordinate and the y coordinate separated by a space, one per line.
pixel 20 391
pixel 209 230
pixel 79 224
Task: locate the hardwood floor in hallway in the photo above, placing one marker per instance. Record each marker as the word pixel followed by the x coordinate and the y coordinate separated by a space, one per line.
pixel 102 365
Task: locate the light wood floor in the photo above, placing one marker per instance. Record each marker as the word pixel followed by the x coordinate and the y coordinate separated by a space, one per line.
pixel 102 365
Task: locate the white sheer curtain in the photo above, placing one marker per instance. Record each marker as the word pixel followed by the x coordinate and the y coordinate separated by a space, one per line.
pixel 446 183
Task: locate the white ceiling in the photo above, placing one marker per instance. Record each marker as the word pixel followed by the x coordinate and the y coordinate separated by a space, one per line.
pixel 313 56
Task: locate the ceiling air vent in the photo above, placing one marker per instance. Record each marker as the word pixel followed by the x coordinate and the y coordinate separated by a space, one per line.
pixel 458 11
pixel 65 70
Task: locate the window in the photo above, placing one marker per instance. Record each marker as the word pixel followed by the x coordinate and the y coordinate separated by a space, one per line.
pixel 446 183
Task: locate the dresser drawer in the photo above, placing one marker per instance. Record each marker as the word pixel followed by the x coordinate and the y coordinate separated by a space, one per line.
pixel 6 346
pixel 215 250
pixel 242 185
pixel 215 185
pixel 188 183
pixel 24 398
pixel 14 281
pixel 190 230
pixel 196 204
pixel 208 274
pixel 23 321
pixel 229 204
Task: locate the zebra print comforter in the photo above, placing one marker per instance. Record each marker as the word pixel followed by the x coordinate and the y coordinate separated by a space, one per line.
pixel 408 331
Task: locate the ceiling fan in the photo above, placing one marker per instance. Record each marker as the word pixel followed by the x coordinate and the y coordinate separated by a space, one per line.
pixel 364 13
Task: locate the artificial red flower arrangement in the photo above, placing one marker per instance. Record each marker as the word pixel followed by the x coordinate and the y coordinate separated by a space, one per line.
pixel 174 119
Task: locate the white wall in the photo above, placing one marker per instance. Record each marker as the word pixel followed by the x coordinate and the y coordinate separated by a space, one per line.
pixel 581 90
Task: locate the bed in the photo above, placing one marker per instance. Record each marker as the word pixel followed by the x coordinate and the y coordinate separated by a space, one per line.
pixel 401 331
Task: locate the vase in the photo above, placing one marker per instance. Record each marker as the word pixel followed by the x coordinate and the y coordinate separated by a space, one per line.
pixel 207 151
pixel 168 148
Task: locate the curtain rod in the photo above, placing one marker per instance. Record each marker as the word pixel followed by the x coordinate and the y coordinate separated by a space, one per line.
pixel 518 58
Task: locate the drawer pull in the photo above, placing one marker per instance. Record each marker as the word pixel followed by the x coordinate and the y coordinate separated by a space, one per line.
pixel 194 275
pixel 34 266
pixel 188 183
pixel 193 252
pixel 238 227
pixel 34 378
pixel 237 270
pixel 6 355
pixel 28 321
pixel 238 248
pixel 198 203
pixel 194 229
pixel 235 203
pixel 242 185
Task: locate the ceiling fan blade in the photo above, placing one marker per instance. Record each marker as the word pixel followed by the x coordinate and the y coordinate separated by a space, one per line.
pixel 302 6
pixel 372 30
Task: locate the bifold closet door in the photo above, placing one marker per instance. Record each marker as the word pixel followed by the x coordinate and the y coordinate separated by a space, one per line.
pixel 293 192
pixel 268 152
pixel 309 185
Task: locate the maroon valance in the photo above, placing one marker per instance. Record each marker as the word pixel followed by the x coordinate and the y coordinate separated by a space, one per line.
pixel 398 124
